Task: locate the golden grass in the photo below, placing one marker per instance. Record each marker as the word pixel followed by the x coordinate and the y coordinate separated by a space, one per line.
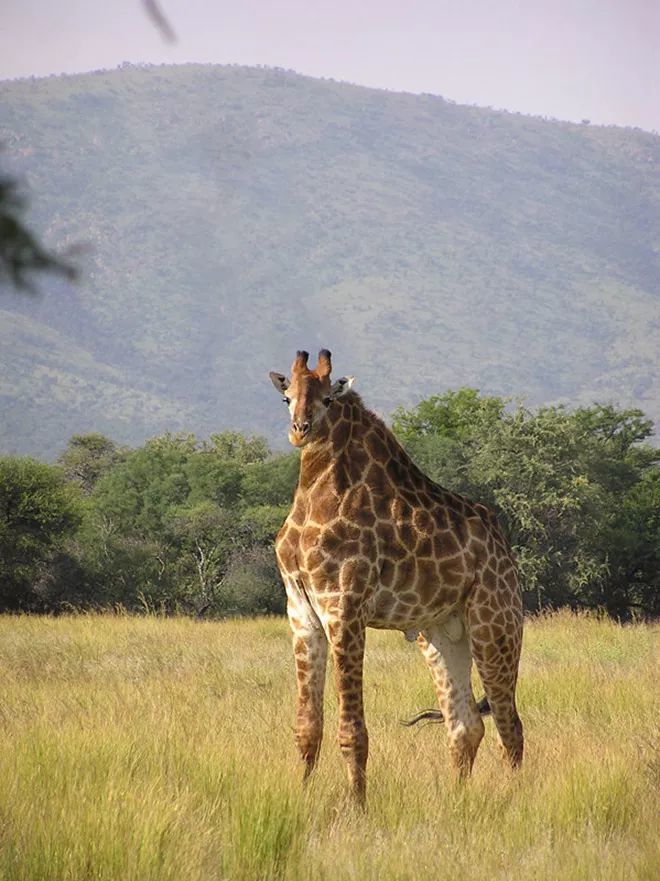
pixel 147 748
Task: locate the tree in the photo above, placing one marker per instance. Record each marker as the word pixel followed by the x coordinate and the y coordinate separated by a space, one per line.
pixel 206 536
pixel 87 457
pixel 235 447
pixel 165 523
pixel 138 493
pixel 39 510
pixel 535 470
pixel 456 415
pixel 441 433
pixel 576 491
pixel 634 550
pixel 270 482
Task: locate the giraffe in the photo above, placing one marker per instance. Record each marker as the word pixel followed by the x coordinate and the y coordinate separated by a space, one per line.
pixel 370 541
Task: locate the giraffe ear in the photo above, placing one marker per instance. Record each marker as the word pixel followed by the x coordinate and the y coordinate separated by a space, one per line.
pixel 341 387
pixel 280 381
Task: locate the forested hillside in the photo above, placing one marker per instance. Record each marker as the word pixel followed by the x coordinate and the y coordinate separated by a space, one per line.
pixel 232 215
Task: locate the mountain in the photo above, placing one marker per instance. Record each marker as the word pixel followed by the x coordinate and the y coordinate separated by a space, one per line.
pixel 232 215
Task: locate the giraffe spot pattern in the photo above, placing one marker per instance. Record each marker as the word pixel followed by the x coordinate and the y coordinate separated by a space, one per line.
pixel 370 540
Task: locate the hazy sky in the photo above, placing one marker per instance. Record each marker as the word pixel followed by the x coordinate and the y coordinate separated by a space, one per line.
pixel 572 59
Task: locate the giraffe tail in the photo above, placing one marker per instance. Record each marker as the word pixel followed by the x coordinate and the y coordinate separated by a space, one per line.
pixel 436 715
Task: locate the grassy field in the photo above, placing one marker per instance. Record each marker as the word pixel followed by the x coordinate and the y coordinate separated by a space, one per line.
pixel 146 748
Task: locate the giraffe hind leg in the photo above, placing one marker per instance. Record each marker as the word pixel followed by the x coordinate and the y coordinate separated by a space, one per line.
pixel 450 663
pixel 496 645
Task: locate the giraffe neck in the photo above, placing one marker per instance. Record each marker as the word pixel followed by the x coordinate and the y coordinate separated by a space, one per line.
pixel 351 438
pixel 335 435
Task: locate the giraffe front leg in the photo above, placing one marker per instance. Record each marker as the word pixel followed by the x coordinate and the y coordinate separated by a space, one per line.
pixel 310 652
pixel 348 640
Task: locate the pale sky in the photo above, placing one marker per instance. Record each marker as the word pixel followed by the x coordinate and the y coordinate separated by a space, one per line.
pixel 569 59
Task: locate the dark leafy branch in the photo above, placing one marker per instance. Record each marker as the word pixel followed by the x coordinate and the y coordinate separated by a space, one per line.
pixel 21 253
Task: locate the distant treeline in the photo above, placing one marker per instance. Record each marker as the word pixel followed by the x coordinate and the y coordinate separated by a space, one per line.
pixel 188 526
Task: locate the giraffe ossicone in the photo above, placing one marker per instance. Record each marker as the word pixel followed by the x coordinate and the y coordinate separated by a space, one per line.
pixel 370 541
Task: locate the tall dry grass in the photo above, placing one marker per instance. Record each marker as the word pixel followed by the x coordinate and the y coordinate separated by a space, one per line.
pixel 146 748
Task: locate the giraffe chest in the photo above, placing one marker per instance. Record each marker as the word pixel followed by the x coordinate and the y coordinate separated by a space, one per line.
pixel 404 566
pixel 370 537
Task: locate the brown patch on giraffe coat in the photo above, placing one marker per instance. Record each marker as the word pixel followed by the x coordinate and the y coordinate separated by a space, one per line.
pixel 375 478
pixel 325 580
pixel 411 497
pixel 509 581
pixel 340 434
pixel 287 557
pixel 358 463
pixel 388 542
pixel 356 506
pixel 281 535
pixel 331 567
pixel 331 541
pixel 356 573
pixel 323 507
pixel 481 633
pixel 384 603
pixel 400 510
pixel 451 570
pixel 381 505
pixel 424 546
pixel 298 511
pixel 407 535
pixel 314 559
pixel 395 471
pixel 423 521
pixel 376 447
pixel 292 537
pixel 428 578
pixel 301 665
pixel 496 600
pixel 445 544
pixel 489 579
pixel 439 514
pixel 368 545
pixel 309 537
pixel 387 573
pixel 341 475
pixel 406 572
pixel 346 531
pixel 458 527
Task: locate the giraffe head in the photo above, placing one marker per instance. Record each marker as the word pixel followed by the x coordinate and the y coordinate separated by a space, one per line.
pixel 309 394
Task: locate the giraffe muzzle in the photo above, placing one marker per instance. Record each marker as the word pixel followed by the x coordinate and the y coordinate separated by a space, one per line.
pixel 301 429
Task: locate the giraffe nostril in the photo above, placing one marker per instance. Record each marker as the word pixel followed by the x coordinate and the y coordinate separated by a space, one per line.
pixel 301 427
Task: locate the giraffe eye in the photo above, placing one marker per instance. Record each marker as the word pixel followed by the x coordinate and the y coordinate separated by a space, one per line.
pixel 286 400
pixel 327 401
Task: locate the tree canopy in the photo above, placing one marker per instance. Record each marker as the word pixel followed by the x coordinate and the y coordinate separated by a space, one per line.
pixel 188 525
pixel 563 482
